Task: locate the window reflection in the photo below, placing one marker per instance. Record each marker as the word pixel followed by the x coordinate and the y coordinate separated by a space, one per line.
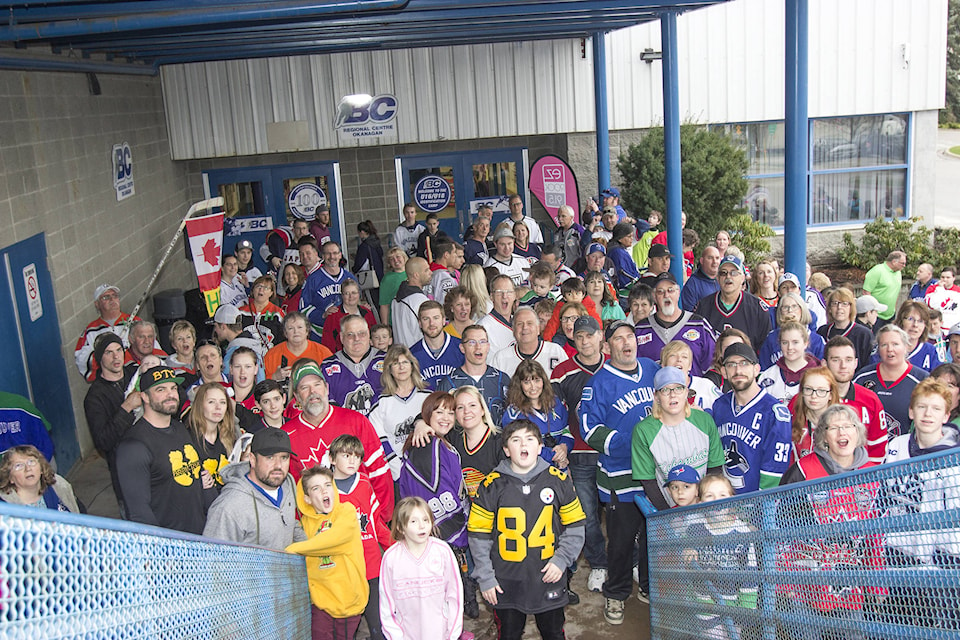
pixel 242 199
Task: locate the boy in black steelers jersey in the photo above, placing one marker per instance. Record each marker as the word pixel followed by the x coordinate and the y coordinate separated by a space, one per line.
pixel 526 527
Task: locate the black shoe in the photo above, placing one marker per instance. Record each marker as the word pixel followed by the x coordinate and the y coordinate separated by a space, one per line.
pixel 471 609
pixel 573 598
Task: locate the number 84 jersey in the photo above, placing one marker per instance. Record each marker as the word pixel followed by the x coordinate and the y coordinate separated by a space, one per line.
pixel 526 520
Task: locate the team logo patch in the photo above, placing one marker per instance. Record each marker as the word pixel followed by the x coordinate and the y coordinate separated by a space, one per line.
pixel 644 339
pixel 691 335
pixel 766 382
pixel 547 495
pixel 378 366
pixel 870 384
pixel 333 369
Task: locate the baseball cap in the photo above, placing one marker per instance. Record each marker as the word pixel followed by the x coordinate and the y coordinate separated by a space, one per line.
pixel 667 376
pixel 869 303
pixel 659 251
pixel 610 192
pixel 954 330
pixel 613 326
pixel 744 351
pixel 243 244
pixel 595 247
pixel 788 277
pixel 227 314
pixel 586 323
pixel 683 473
pixel 734 260
pixel 622 230
pixel 610 211
pixel 269 441
pixel 102 289
pixel 103 341
pixel 503 232
pixel 158 375
pixel 666 275
pixel 308 369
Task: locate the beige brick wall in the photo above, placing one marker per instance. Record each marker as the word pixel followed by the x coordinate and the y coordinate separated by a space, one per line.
pixel 56 178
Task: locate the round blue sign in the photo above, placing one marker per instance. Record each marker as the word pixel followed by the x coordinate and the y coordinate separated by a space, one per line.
pixel 432 194
pixel 304 199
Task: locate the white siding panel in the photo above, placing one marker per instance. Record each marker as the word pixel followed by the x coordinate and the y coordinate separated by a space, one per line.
pixel 731 59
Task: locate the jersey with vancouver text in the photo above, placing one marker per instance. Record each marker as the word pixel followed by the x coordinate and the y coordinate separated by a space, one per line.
pixel 614 401
pixel 437 365
pixel 757 439
pixel 320 291
pixel 354 385
pixel 525 519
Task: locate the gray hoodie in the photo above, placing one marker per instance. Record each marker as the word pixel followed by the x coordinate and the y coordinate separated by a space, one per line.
pixel 569 541
pixel 242 513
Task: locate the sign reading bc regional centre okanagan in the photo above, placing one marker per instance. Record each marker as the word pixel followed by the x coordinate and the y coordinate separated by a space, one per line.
pixel 432 194
pixel 362 116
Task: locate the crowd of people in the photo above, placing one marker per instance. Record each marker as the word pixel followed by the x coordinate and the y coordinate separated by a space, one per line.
pixel 453 417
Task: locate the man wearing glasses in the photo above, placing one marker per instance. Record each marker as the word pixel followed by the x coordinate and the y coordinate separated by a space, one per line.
pixel 754 426
pixel 731 306
pixel 106 300
pixel 670 322
pixel 492 383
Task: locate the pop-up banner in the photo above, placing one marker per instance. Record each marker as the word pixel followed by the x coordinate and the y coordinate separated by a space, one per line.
pixel 553 183
pixel 206 245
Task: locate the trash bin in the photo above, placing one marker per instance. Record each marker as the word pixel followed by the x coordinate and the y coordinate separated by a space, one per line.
pixel 168 307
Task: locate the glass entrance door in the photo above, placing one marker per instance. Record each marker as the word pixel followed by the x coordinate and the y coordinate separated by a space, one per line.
pixel 455 185
pixel 257 199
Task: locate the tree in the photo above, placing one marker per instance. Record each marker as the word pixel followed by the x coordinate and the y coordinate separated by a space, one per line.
pixel 713 170
pixel 951 109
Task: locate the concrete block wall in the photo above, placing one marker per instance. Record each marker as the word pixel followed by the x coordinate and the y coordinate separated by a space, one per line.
pixel 368 175
pixel 56 177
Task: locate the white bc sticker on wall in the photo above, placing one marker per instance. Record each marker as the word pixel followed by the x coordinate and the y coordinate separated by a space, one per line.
pixel 32 287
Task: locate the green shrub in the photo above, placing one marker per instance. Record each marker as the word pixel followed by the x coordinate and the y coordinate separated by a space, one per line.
pixel 749 236
pixel 881 236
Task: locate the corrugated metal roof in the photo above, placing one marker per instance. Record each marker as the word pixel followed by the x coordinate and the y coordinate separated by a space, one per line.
pixel 150 33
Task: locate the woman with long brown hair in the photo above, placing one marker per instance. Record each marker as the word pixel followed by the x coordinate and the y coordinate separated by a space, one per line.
pixel 213 427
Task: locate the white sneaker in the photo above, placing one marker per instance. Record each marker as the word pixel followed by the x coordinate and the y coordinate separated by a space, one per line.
pixel 596 579
pixel 613 611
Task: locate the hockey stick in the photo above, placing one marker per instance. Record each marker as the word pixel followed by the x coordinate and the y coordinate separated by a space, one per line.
pixel 196 206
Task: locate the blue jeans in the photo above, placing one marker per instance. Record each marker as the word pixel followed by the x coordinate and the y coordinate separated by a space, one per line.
pixel 583 469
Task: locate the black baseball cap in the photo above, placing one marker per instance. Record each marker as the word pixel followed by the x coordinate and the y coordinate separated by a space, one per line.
pixel 158 375
pixel 269 441
pixel 612 328
pixel 744 351
pixel 659 251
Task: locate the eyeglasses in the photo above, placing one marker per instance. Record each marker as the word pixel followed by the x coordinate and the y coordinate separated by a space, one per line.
pixel 476 343
pixel 28 464
pixel 673 391
pixel 789 307
pixel 739 364
pixel 846 427
pixel 503 292
pixel 109 296
pixel 839 303
pixel 568 319
pixel 819 393
pixel 912 320
pixel 665 291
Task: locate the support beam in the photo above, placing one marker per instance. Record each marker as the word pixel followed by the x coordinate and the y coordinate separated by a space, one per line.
pixel 27 63
pixel 796 161
pixel 600 109
pixel 671 141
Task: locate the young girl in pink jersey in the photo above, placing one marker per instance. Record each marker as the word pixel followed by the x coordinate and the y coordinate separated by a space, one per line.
pixel 421 594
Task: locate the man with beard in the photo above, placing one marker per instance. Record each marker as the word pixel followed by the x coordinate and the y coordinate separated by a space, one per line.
pixel 439 352
pixel 264 481
pixel 731 306
pixel 157 465
pixel 491 383
pixel 353 373
pixel 670 322
pixel 528 345
pixel 754 426
pixel 320 422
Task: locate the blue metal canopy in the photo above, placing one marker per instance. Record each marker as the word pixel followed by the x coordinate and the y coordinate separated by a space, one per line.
pixel 150 33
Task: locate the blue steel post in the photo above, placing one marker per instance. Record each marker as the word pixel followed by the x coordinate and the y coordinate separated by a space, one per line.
pixel 600 107
pixel 797 134
pixel 671 140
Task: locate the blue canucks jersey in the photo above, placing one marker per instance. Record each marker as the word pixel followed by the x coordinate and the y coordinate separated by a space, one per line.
pixel 434 367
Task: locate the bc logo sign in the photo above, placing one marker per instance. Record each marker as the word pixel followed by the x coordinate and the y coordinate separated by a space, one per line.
pixel 432 194
pixel 123 171
pixel 363 115
pixel 304 199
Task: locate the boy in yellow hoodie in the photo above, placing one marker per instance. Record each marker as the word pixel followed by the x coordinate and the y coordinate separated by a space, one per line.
pixel 335 564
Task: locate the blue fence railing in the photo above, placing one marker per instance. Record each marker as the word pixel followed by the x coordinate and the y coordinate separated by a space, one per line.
pixel 64 575
pixel 870 554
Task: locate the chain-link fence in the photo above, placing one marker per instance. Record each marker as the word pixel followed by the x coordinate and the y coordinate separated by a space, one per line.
pixel 870 554
pixel 69 576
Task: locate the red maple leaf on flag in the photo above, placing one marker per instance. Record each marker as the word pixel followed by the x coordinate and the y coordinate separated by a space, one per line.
pixel 211 252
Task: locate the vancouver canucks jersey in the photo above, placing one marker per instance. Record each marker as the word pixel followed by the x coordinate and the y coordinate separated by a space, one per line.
pixel 756 438
pixel 435 366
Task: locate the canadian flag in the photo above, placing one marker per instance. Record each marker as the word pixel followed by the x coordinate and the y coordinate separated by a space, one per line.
pixel 206 245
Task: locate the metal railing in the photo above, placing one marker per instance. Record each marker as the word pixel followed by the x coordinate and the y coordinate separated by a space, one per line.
pixel 870 554
pixel 66 575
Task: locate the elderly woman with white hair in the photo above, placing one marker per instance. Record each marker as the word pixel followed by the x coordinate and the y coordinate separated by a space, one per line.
pixel 839 445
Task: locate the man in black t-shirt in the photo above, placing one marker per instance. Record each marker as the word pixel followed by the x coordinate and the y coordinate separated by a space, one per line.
pixel 157 465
